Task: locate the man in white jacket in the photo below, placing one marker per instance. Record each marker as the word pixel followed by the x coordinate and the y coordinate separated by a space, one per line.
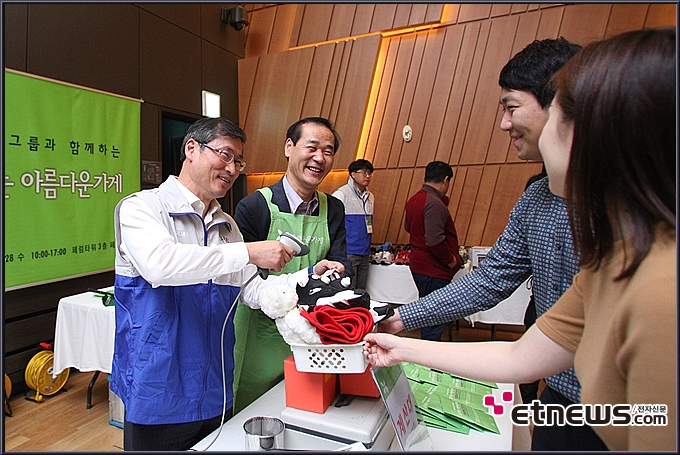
pixel 358 201
pixel 180 267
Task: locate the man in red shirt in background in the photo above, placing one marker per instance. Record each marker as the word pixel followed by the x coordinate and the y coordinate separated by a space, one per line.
pixel 434 255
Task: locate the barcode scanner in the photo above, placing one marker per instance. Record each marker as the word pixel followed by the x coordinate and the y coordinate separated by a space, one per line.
pixel 288 239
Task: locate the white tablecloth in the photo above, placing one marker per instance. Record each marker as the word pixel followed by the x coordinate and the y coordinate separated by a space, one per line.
pixel 510 311
pixel 232 437
pixel 391 284
pixel 84 334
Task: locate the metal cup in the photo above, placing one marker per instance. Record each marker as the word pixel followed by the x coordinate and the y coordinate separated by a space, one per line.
pixel 264 433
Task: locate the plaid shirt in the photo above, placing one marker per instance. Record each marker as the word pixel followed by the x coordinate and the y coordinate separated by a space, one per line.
pixel 537 240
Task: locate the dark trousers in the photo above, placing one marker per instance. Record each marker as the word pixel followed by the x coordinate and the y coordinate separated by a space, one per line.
pixel 360 265
pixel 564 437
pixel 168 437
pixel 529 391
pixel 426 285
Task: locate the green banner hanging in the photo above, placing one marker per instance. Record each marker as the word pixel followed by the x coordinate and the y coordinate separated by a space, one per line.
pixel 70 155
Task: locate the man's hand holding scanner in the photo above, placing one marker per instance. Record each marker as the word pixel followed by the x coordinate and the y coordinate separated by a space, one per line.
pixel 269 254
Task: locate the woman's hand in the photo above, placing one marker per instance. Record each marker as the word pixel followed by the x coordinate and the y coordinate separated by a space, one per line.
pixel 382 350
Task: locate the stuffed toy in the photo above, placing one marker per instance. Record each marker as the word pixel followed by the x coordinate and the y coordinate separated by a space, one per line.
pixel 322 311
pixel 279 303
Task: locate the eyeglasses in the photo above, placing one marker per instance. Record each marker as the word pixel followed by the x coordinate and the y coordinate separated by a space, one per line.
pixel 226 157
pixel 364 172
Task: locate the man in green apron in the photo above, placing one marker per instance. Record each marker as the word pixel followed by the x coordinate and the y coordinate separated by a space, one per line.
pixel 292 205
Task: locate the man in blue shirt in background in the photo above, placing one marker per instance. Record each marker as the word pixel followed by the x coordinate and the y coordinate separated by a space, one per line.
pixel 358 202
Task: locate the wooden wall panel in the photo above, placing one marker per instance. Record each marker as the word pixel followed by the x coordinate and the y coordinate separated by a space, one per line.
pixel 450 13
pixel 317 23
pixel 335 90
pixel 661 15
pixel 441 91
pixel 402 15
pixel 332 80
pixel 482 121
pixel 283 27
pixel 63 42
pixel 422 97
pixel 275 104
pixel 354 95
pixel 500 9
pixel 508 188
pixel 518 8
pixel 549 27
pixel 150 126
pixel 460 82
pixel 219 74
pixel 164 51
pixel 343 19
pixel 583 23
pixel 15 29
pixel 473 12
pixel 260 31
pixel 626 17
pixel 456 190
pixel 466 202
pixel 480 213
pixel 443 82
pixel 407 101
pixel 396 91
pixel 363 17
pixel 321 71
pixel 383 17
pixel 386 74
pixel 185 15
pixel 247 68
pixel 295 29
pixel 418 11
pixel 459 154
pixel 433 13
pixel 316 19
pixel 410 182
pixel 254 182
pixel 527 31
pixel 335 179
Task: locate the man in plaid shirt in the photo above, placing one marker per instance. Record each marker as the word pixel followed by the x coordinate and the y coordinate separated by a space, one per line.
pixel 536 241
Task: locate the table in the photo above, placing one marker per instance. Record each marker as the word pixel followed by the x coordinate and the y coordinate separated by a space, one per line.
pixel 394 284
pixel 84 336
pixel 232 438
pixel 391 284
pixel 510 311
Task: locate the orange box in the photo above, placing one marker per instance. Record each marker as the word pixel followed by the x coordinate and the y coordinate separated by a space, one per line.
pixel 312 392
pixel 361 384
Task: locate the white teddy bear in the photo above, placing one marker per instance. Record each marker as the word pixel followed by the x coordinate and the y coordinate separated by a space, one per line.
pixel 279 302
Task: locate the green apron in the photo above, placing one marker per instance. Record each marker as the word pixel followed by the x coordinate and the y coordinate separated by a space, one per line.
pixel 259 351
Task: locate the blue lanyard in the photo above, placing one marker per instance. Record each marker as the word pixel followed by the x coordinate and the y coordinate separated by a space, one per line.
pixel 363 201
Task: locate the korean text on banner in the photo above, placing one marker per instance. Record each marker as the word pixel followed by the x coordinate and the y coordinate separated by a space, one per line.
pixel 70 155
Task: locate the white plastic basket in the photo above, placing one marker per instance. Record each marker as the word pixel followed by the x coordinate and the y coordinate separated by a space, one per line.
pixel 329 358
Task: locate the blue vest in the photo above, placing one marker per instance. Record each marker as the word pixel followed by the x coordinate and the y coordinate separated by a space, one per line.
pixel 356 212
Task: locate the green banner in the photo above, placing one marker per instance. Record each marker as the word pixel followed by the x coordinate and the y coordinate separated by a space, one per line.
pixel 70 155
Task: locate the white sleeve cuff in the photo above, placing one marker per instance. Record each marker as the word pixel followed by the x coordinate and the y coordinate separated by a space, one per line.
pixel 236 256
